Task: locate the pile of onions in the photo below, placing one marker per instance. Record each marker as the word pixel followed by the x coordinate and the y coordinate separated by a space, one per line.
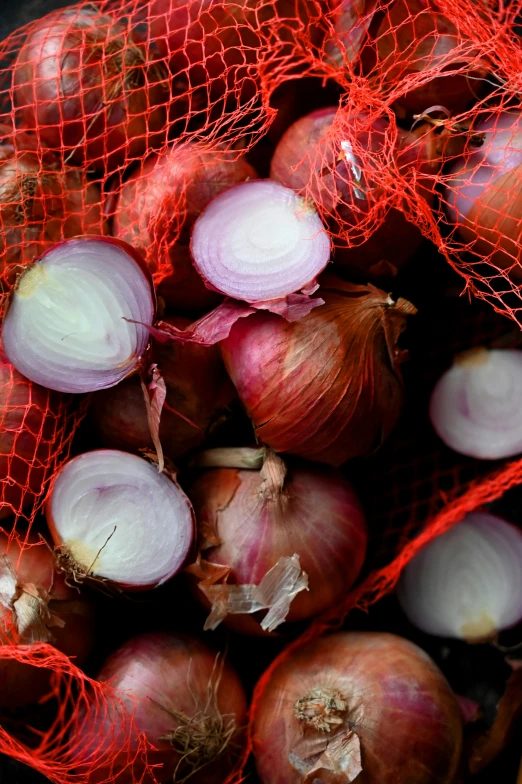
pixel 85 83
pixel 357 706
pixel 188 702
pixel 70 324
pixel 114 518
pixel 157 207
pixel 475 405
pixel 483 193
pixel 36 605
pixel 198 393
pixel 327 387
pixel 310 159
pixel 259 241
pixel 252 511
pixel 466 583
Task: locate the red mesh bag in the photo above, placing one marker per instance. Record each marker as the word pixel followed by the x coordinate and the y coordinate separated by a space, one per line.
pixel 127 117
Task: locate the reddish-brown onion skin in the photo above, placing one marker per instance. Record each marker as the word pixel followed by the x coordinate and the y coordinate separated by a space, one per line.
pixel 197 387
pixel 23 684
pixel 165 672
pixel 76 61
pixel 399 704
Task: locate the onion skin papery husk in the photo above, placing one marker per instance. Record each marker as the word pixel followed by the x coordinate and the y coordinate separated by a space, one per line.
pixel 388 697
pixel 249 519
pixel 328 387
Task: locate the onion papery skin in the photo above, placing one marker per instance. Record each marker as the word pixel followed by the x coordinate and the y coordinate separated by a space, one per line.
pixel 415 37
pixel 23 684
pixel 328 387
pixel 397 701
pixel 86 85
pixel 467 582
pixel 114 518
pixel 197 387
pixel 259 241
pixel 68 326
pixel 156 210
pixel 482 194
pixel 157 673
pixel 310 145
pixel 315 514
pixel 474 406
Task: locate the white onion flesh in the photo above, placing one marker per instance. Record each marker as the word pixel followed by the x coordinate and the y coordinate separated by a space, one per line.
pixel 476 405
pixel 259 241
pixel 120 519
pixel 466 583
pixel 66 326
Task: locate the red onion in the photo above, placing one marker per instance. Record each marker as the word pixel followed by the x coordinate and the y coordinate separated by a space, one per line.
pixel 187 701
pixel 251 519
pixel 327 387
pixel 482 193
pixel 352 19
pixel 86 85
pixel 68 325
pixel 158 205
pixel 36 605
pixel 475 406
pixel 358 706
pixel 467 582
pixel 114 517
pixel 198 389
pixel 259 241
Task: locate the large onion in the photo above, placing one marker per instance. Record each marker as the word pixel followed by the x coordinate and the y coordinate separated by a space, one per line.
pixel 365 707
pixel 114 518
pixel 69 324
pixel 327 387
pixel 250 519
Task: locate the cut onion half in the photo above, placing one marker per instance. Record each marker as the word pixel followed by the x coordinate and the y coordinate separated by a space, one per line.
pixel 466 583
pixel 260 241
pixel 68 326
pixel 114 517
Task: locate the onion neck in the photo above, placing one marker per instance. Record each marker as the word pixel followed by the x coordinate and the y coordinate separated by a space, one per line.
pixel 230 457
pixel 273 474
pixel 200 739
pixel 321 709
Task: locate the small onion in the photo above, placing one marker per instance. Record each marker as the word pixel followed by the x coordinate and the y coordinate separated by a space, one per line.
pixel 255 517
pixel 357 706
pixel 190 705
pixel 327 387
pixel 467 582
pixel 259 241
pixel 68 325
pixel 475 406
pixel 114 517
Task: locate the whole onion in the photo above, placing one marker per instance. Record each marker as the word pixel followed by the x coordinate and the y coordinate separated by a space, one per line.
pixel 84 83
pixel 483 193
pixel 37 606
pixel 188 702
pixel 198 390
pixel 250 519
pixel 327 387
pixel 357 706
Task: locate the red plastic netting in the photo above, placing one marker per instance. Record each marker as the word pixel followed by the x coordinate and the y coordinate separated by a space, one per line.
pixel 126 117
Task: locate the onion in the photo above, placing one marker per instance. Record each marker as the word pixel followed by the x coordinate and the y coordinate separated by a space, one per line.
pixel 327 387
pixel 467 582
pixel 259 241
pixel 475 406
pixel 68 328
pixel 352 19
pixel 186 700
pixel 250 519
pixel 483 193
pixel 198 390
pixel 36 605
pixel 158 205
pixel 114 518
pixel 86 85
pixel 358 701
